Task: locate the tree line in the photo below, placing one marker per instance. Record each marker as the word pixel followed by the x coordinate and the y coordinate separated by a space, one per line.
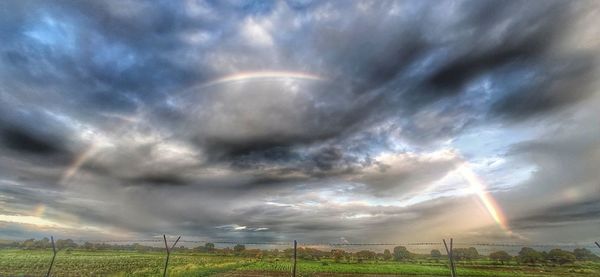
pixel 399 253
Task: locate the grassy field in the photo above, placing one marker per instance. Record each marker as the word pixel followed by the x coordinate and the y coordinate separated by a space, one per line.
pixel 128 263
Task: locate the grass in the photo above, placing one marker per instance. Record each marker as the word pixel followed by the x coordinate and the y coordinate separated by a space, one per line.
pixel 310 268
pixel 130 263
pixel 113 263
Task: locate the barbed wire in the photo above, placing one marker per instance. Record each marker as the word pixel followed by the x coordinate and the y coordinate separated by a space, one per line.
pixel 342 244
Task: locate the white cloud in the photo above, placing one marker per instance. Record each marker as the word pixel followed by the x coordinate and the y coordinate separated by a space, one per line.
pixel 256 33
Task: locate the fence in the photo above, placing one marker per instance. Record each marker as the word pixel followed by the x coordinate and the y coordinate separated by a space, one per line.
pixel 448 246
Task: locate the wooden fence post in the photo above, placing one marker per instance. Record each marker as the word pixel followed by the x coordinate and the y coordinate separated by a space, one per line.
pixel 53 256
pixel 168 253
pixel 597 244
pixel 450 257
pixel 295 256
pixel 452 252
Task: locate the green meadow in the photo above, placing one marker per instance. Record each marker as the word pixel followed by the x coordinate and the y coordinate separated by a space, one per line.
pixel 20 262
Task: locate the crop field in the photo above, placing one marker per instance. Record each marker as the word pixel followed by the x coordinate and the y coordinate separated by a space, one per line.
pixel 113 263
pixel 16 262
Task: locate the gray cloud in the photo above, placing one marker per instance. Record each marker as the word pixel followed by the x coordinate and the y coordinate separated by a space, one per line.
pixel 112 107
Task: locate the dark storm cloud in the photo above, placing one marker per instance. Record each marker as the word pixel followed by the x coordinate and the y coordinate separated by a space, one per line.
pixel 110 105
pixel 540 26
pixel 564 82
pixel 21 140
pixel 32 132
pixel 158 179
pixel 34 145
pixel 560 215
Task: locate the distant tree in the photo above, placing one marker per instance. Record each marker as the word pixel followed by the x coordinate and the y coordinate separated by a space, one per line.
pixel 88 246
pixel 65 243
pixel 561 257
pixel 337 255
pixel 365 255
pixel 239 248
pixel 436 254
pixel 43 243
pixel 465 254
pixel 529 256
pixel 472 253
pixel 401 253
pixel 209 247
pixel 459 254
pixel 28 244
pixel 583 254
pixel 500 256
pixel 387 255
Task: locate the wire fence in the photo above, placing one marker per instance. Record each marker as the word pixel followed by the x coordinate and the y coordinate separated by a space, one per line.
pixel 346 244
pixel 292 247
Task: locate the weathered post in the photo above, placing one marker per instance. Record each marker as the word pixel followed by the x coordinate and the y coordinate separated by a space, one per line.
pixel 295 256
pixel 168 252
pixel 53 256
pixel 450 257
pixel 597 244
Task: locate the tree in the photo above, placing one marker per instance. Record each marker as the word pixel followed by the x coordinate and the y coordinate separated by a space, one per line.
pixel 209 247
pixel 561 257
pixel 88 246
pixel 43 243
pixel 65 243
pixel 472 253
pixel 365 255
pixel 436 254
pixel 401 253
pixel 583 254
pixel 238 248
pixel 29 244
pixel 387 255
pixel 469 254
pixel 529 256
pixel 500 256
pixel 337 255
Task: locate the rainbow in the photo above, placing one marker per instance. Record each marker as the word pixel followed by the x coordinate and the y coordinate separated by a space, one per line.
pixel 78 162
pixel 479 188
pixel 258 75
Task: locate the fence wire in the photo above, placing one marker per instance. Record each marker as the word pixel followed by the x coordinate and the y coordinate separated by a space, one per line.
pixel 338 244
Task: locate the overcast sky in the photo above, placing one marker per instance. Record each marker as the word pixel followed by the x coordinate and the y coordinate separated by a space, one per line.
pixel 343 121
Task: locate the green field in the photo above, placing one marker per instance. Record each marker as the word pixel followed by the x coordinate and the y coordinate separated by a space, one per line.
pixel 130 263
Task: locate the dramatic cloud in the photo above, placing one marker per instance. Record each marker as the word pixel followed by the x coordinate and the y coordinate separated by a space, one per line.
pixel 312 120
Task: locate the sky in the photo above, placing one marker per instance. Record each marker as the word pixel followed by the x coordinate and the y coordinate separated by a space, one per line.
pixel 341 121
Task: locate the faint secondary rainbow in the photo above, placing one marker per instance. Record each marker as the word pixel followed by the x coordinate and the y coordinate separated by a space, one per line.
pixel 258 75
pixel 478 186
pixel 92 149
pixel 79 160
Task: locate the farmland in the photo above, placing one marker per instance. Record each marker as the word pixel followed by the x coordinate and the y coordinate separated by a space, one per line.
pixel 80 262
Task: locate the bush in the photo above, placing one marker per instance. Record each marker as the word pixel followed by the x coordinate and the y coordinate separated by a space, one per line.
pixel 500 256
pixel 401 253
pixel 561 257
pixel 529 256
